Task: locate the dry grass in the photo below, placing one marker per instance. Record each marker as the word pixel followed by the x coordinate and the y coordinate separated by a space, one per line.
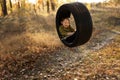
pixel 27 30
pixel 24 37
pixel 45 39
pixel 105 61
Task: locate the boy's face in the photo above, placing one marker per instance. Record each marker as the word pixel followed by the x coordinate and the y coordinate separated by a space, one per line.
pixel 66 23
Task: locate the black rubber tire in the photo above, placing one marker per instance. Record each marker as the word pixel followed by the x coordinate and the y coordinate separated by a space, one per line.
pixel 83 23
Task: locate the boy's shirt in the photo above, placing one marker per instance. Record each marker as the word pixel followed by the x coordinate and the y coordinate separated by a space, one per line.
pixel 64 30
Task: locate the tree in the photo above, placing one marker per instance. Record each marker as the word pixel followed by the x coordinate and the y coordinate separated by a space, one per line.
pixel 10 3
pixel 19 4
pixel 23 3
pixel 48 6
pixel 40 4
pixel 4 7
pixel 53 5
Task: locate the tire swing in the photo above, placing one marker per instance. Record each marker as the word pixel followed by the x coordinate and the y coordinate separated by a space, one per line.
pixel 83 22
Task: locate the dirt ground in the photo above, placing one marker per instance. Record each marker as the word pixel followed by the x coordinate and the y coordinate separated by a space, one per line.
pixel 31 50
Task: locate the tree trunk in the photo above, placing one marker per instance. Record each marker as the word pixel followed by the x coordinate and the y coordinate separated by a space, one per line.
pixel 52 5
pixel 48 6
pixel 23 3
pixel 10 3
pixel 34 9
pixel 4 7
pixel 18 4
pixel 43 5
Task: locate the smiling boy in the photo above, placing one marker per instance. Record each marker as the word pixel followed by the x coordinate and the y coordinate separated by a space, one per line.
pixel 65 28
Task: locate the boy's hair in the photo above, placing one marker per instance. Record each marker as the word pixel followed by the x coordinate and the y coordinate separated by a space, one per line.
pixel 62 19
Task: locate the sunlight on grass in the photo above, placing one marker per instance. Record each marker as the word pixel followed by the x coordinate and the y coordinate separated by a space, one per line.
pixel 45 39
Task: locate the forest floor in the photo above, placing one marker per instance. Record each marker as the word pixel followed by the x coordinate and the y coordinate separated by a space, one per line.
pixel 31 50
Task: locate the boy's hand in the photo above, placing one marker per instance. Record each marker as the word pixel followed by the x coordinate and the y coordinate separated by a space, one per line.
pixel 70 33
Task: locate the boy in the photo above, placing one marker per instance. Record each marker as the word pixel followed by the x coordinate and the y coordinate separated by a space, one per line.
pixel 65 28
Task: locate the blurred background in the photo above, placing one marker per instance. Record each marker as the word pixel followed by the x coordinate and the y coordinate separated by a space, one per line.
pixel 38 6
